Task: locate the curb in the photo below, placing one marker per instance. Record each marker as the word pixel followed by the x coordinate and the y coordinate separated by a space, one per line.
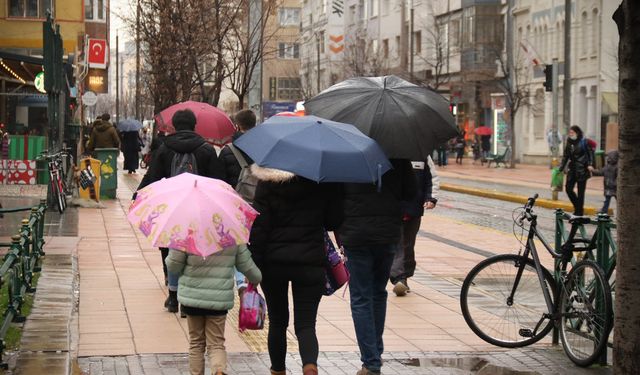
pixel 510 197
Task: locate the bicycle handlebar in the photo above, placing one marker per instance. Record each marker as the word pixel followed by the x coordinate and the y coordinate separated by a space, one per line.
pixel 527 208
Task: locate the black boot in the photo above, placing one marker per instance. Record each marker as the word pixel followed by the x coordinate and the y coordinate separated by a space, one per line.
pixel 172 304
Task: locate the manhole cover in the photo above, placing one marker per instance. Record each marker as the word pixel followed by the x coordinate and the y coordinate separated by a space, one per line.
pixel 472 365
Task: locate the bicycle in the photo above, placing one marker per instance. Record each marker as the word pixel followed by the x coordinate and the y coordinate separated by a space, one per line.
pixel 511 300
pixel 58 169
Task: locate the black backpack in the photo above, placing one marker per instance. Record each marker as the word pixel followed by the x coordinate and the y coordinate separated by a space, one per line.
pixel 184 163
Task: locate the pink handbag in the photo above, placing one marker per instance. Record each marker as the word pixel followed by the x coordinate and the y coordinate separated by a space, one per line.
pixel 336 271
pixel 253 310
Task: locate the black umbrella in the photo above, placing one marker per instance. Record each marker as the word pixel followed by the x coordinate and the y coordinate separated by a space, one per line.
pixel 408 121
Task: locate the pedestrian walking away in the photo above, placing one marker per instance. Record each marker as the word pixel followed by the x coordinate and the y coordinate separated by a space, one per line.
pixel 577 158
pixel 370 234
pixel 103 135
pixel 184 142
pixel 131 146
pixel 610 173
pixel 460 147
pixel 404 262
pixel 287 244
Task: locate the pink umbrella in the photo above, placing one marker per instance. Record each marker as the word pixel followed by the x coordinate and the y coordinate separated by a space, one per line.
pixel 195 214
pixel 211 123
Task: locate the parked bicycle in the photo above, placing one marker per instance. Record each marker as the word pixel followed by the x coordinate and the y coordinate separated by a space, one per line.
pixel 511 300
pixel 59 183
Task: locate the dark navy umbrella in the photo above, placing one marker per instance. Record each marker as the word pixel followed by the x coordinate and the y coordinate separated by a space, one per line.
pixel 315 148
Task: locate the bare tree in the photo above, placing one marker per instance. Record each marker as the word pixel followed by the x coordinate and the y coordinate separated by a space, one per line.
pixel 247 46
pixel 362 56
pixel 626 350
pixel 438 50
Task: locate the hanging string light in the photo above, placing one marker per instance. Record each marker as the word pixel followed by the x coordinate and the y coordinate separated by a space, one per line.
pixel 12 72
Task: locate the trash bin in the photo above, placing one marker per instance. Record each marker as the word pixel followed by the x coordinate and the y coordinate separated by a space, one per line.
pixel 108 171
pixel 599 159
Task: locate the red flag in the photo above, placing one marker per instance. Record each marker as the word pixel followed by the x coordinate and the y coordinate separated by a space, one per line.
pixel 97 53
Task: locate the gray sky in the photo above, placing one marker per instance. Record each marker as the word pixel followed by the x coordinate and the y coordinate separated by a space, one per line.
pixel 120 8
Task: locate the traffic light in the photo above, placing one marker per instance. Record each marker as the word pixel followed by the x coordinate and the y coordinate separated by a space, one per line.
pixel 548 78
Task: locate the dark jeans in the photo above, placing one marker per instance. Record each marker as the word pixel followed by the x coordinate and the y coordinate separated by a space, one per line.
pixel 576 200
pixel 369 267
pixel 307 285
pixel 442 157
pixel 164 252
pixel 404 262
pixel 607 202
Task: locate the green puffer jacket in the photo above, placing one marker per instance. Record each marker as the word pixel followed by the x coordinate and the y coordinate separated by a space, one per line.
pixel 207 283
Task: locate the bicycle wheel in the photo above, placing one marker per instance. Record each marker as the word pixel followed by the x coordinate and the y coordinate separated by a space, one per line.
pixel 55 192
pixel 486 307
pixel 586 310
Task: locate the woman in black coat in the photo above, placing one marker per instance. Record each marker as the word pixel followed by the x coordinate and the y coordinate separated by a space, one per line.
pixel 131 146
pixel 287 244
pixel 578 155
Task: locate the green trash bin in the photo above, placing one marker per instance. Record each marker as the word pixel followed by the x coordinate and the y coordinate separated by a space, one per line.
pixel 599 159
pixel 108 171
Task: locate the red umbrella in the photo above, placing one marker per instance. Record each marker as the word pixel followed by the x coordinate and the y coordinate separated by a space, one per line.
pixel 483 130
pixel 211 123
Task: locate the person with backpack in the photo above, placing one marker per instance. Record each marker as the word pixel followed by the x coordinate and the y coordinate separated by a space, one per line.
pixel 370 234
pixel 235 160
pixel 183 151
pixel 577 158
pixel 610 173
pixel 287 244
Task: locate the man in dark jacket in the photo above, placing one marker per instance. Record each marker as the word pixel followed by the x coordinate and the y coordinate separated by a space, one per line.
pixel 103 135
pixel 404 263
pixel 183 141
pixel 370 234
pixel 245 120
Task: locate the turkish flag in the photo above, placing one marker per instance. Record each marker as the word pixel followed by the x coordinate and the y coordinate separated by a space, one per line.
pixel 98 53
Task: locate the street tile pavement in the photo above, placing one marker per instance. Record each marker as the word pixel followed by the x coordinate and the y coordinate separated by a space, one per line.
pixel 544 361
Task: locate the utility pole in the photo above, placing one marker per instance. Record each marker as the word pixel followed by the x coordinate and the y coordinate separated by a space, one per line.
pixel 256 27
pixel 510 80
pixel 554 121
pixel 411 42
pixel 137 112
pixel 318 62
pixel 566 94
pixel 117 80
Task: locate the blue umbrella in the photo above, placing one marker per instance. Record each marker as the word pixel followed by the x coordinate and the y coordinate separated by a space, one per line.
pixel 318 149
pixel 129 125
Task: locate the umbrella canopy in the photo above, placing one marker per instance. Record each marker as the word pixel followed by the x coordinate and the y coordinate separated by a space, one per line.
pixel 408 121
pixel 195 214
pixel 315 148
pixel 211 123
pixel 129 125
pixel 483 130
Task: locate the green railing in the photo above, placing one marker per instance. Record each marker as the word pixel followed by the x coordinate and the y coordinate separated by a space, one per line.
pixel 605 252
pixel 19 265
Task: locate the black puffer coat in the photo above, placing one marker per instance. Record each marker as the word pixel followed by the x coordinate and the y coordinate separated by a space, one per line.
pixel 375 218
pixel 579 156
pixel 183 142
pixel 610 173
pixel 294 212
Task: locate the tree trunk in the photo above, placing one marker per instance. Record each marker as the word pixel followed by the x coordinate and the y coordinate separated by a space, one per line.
pixel 626 346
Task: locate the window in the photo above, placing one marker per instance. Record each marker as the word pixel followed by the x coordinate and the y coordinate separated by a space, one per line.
pixel 373 8
pixel 288 50
pixel 596 32
pixel 385 48
pixel 454 35
pixel 417 42
pixel 29 8
pixel 398 45
pixel 94 10
pixel 324 6
pixel 374 46
pixel 585 33
pixel 289 88
pixel 321 41
pixel 352 14
pixel 362 14
pixel 289 16
pixel 385 7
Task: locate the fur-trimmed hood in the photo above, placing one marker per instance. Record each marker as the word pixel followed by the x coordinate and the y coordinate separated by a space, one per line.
pixel 271 174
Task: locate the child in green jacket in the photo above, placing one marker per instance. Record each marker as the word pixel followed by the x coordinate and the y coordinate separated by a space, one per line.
pixel 206 294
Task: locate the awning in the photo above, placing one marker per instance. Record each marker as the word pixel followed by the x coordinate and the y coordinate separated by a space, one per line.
pixel 609 103
pixel 34 101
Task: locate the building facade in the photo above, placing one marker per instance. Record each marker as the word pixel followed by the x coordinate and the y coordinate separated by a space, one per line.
pixel 541 25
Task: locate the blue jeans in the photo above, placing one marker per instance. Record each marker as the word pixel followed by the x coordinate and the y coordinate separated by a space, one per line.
pixel 607 202
pixel 369 267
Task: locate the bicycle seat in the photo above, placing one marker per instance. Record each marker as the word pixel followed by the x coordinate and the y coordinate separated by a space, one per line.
pixel 580 220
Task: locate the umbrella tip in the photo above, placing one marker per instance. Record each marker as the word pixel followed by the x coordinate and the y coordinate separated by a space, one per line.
pixel 319 122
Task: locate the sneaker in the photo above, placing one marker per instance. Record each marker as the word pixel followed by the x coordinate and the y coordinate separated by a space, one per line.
pixel 366 371
pixel 401 288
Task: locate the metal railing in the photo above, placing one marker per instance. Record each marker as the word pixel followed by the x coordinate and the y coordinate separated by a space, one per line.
pixel 19 265
pixel 605 252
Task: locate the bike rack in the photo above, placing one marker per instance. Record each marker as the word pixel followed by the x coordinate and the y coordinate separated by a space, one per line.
pixel 606 252
pixel 19 265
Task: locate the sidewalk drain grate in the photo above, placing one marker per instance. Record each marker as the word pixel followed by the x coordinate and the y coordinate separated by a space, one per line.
pixel 471 365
